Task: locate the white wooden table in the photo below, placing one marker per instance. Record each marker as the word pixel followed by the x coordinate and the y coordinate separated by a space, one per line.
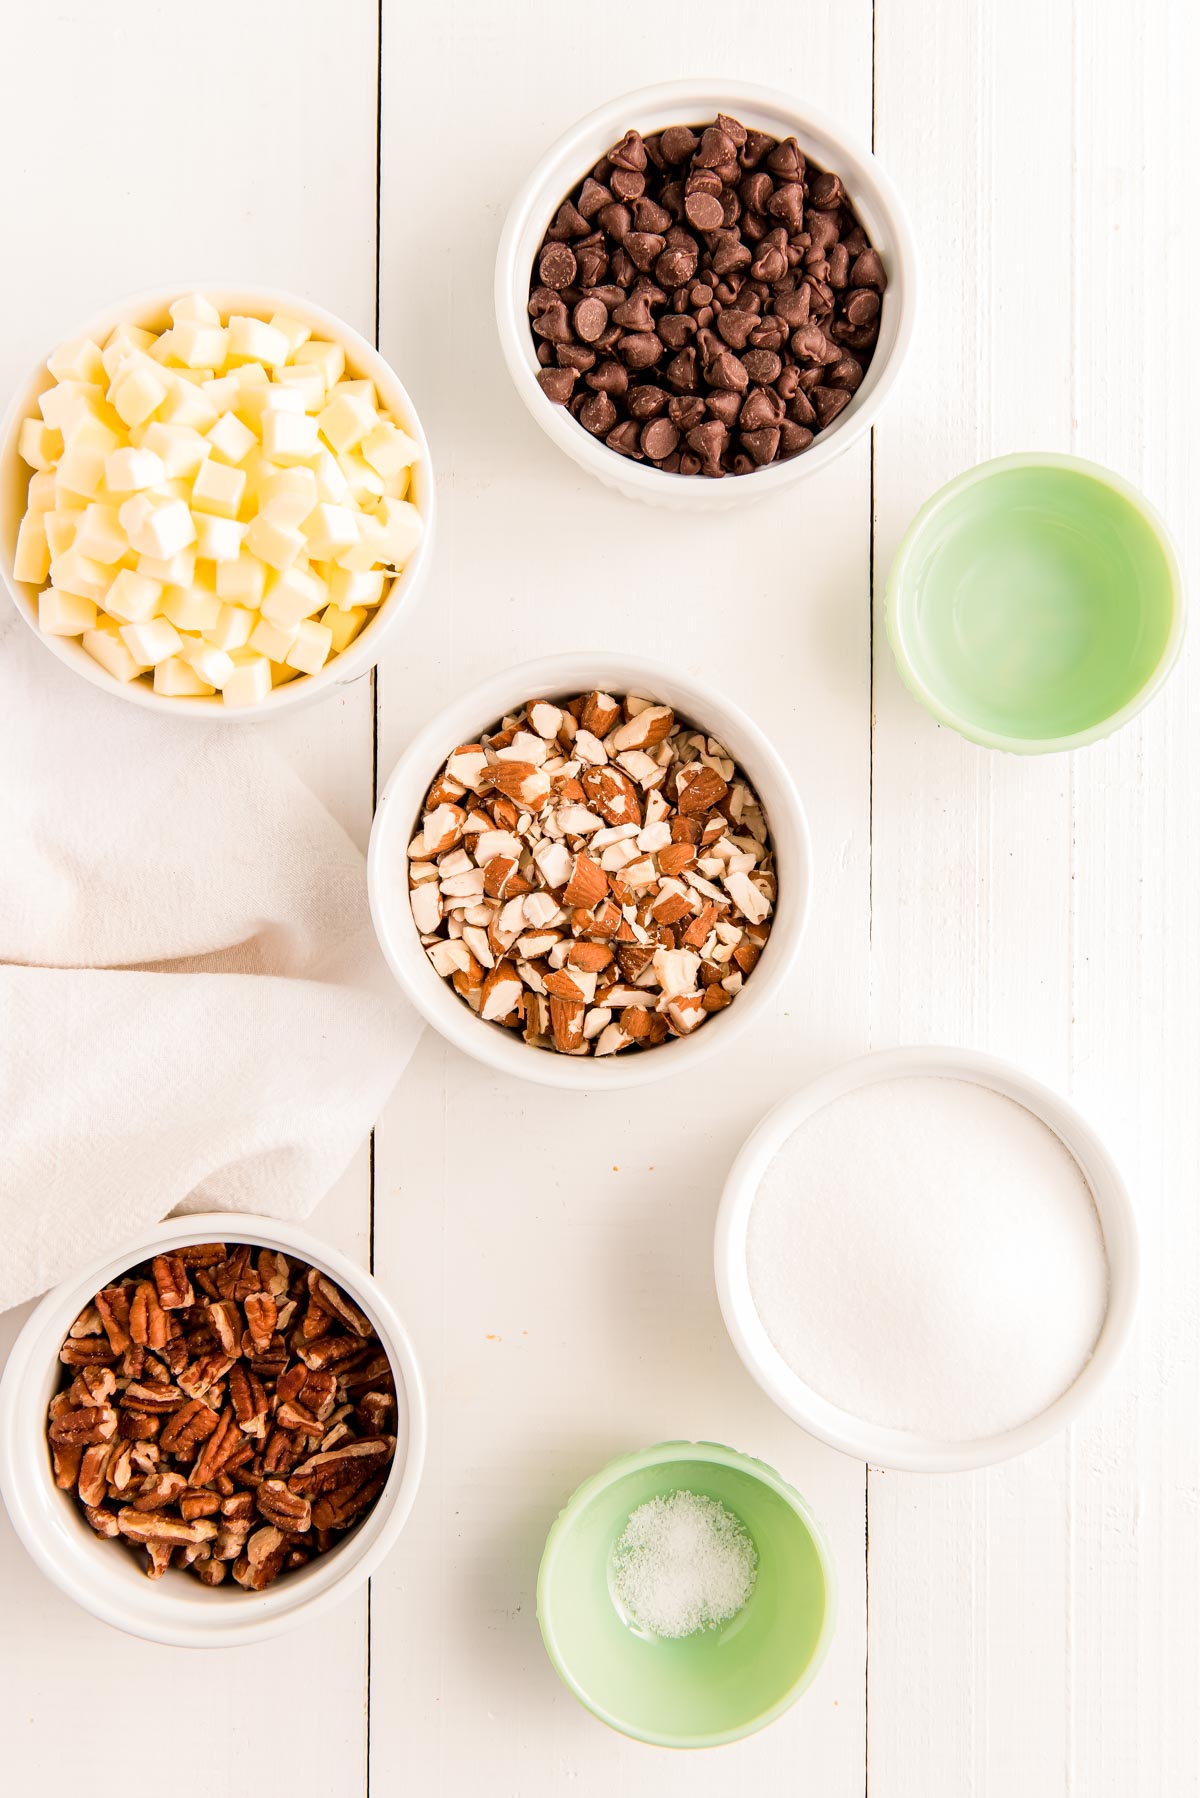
pixel 1032 1630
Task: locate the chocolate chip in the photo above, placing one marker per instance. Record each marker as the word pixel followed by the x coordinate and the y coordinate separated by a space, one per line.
pixel 703 301
pixel 557 266
pixel 589 318
pixel 557 383
pixel 658 439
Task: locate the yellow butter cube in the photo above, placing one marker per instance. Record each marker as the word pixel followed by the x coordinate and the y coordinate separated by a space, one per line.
pixel 330 529
pixel 363 484
pixel 210 662
pixel 151 641
pixel 289 437
pixel 194 608
pixel 310 651
pixel 31 558
pixel 218 488
pixel 74 572
pixel 343 626
pixel 242 582
pixel 233 627
pixel 253 340
pixel 230 439
pixel 176 680
pixel 332 485
pixel 179 448
pixel 64 405
pixel 199 345
pixel 156 526
pixel 170 571
pixel 293 329
pixel 64 614
pixel 81 470
pixel 273 640
pixel 138 391
pixel 307 382
pixel 122 343
pixel 218 539
pixel 188 403
pixel 401 528
pixel 133 470
pixel 349 588
pixel 60 527
pixel 288 497
pixel 79 360
pixel 390 450
pixel 106 646
pixel 276 544
pixel 348 418
pixel 196 308
pixel 330 358
pixel 250 682
pixel 294 594
pixel 42 491
pixel 99 534
pixel 38 444
pixel 133 597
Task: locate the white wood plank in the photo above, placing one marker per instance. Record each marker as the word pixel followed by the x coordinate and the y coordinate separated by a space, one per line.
pixel 143 146
pixel 552 1252
pixel 1016 1631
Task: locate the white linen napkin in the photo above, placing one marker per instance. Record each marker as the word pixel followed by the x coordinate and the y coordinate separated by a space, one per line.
pixel 194 1012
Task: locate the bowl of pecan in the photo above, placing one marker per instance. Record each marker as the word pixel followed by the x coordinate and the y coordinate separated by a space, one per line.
pixel 214 1434
pixel 704 280
pixel 591 871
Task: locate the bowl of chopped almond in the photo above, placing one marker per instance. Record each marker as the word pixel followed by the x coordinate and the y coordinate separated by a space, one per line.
pixel 591 871
pixel 213 1433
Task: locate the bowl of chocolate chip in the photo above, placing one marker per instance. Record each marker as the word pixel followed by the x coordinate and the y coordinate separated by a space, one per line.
pixel 213 1433
pixel 592 871
pixel 705 292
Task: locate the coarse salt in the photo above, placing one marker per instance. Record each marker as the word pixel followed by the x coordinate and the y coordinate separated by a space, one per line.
pixel 925 1254
pixel 683 1563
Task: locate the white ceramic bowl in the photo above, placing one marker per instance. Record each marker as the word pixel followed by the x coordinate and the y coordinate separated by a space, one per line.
pixel 104 1577
pixel 875 200
pixel 557 677
pixel 903 1449
pixel 150 310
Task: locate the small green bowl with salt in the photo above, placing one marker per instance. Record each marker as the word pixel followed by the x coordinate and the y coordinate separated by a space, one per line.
pixel 724 1680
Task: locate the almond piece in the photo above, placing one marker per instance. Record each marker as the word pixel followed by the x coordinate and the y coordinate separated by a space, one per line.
pixel 441 829
pixel 522 782
pixel 588 884
pixel 566 1023
pixel 643 730
pixel 501 993
pixel 612 794
pixel 590 957
pixel 675 858
pixel 599 713
pixel 545 718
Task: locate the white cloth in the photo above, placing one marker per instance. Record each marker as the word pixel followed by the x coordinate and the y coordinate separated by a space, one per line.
pixel 194 1012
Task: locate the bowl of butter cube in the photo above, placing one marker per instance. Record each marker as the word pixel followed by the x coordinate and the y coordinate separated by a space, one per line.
pixel 214 503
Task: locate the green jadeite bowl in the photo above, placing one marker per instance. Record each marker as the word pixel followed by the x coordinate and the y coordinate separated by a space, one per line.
pixel 1035 604
pixel 715 1685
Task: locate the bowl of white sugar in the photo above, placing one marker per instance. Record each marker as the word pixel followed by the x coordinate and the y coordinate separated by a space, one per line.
pixel 927 1259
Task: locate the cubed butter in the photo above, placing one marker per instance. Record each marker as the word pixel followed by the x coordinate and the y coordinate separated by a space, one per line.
pixel 133 597
pixel 253 340
pixel 157 527
pixel 74 572
pixel 122 343
pixel 233 627
pixel 100 535
pixel 276 544
pixel 230 439
pixel 31 558
pixel 218 539
pixel 289 437
pixel 151 641
pixel 81 470
pixel 38 444
pixel 133 470
pixel 180 449
pixel 194 608
pixel 330 529
pixel 365 487
pixel 106 646
pixel 293 329
pixel 273 640
pixel 218 488
pixel 242 582
pixel 137 392
pixel 306 382
pixel 343 626
pixel 60 527
pixel 310 651
pixel 293 595
pixel 173 571
pixel 389 450
pixel 79 360
pixel 400 531
pixel 210 662
pixel 332 485
pixel 288 497
pixel 348 418
pixel 176 680
pixel 42 491
pixel 196 308
pixel 330 358
pixel 199 345
pixel 250 682
pixel 188 404
pixel 63 614
pixel 349 587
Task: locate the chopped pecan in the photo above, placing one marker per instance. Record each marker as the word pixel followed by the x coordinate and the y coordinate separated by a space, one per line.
pixel 147 1319
pixel 261 1313
pixel 287 1510
pixel 192 1424
pixel 325 1472
pixel 334 1510
pixel 171 1280
pixel 80 1425
pixel 87 1351
pixel 249 1400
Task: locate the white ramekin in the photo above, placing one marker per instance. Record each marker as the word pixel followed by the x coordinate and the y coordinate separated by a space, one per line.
pixel 875 200
pixel 904 1450
pixel 150 310
pixel 104 1577
pixel 558 677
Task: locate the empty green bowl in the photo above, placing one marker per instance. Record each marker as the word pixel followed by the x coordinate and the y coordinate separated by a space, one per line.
pixel 715 1685
pixel 1035 604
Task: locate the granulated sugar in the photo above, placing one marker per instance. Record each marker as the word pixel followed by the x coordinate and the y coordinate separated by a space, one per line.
pixel 683 1563
pixel 925 1254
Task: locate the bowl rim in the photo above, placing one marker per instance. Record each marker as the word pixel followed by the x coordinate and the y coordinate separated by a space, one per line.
pixel 364 651
pixel 896 591
pixel 27 1481
pixel 436 1000
pixel 871 190
pixel 665 1454
pixel 903 1450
